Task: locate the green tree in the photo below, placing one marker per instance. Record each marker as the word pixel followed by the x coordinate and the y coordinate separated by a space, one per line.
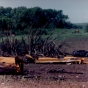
pixel 86 29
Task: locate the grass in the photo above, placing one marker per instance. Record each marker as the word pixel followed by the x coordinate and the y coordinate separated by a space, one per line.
pixel 68 34
pixel 61 33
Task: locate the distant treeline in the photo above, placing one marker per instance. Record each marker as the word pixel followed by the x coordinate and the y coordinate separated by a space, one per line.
pixel 22 18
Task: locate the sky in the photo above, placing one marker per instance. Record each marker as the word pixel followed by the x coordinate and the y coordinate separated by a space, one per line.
pixel 77 10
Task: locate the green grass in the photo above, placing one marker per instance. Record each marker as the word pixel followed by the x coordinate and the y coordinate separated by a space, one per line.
pixel 69 33
pixel 63 34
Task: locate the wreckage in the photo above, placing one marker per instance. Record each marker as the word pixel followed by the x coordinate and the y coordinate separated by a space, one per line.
pixel 8 65
pixel 65 59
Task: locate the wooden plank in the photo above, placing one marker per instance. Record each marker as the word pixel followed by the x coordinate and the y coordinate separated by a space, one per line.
pixel 56 60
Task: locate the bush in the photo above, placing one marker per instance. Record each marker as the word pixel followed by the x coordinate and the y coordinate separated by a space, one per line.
pixel 86 29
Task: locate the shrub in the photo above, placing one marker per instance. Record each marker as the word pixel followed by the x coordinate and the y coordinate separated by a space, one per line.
pixel 86 29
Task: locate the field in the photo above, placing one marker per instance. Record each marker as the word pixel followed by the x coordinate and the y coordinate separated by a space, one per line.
pixel 54 75
pixel 63 34
pixel 48 76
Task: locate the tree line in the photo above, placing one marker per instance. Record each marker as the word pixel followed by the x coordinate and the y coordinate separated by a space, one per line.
pixel 22 18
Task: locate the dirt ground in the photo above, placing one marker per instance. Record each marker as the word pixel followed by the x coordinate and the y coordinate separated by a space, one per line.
pixel 54 72
pixel 48 76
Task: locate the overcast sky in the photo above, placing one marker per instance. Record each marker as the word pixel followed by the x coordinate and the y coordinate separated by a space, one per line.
pixel 77 10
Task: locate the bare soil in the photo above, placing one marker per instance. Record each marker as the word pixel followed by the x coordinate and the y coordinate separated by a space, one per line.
pixel 48 76
pixel 54 72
